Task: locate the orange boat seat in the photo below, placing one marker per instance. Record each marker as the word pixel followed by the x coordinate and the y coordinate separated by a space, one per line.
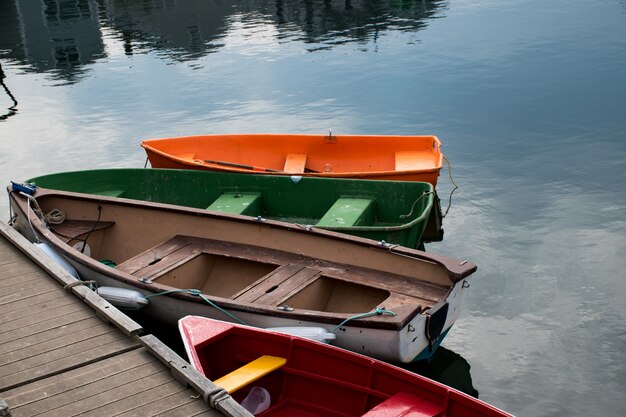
pixel 248 204
pixel 295 162
pixel 413 160
pixel 250 372
pixel 349 212
pixel 404 404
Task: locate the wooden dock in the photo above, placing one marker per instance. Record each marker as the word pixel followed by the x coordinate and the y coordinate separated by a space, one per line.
pixel 65 351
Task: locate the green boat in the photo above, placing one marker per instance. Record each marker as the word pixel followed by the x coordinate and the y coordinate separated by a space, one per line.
pixel 396 212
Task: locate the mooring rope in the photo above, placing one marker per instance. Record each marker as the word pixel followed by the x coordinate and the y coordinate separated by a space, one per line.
pixel 404 216
pixel 199 294
pixel 376 312
pixel 453 182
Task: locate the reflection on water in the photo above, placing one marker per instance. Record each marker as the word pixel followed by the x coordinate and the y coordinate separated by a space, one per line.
pixel 64 37
pixel 12 109
pixel 447 367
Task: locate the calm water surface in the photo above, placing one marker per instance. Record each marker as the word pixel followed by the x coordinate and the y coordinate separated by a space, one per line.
pixel 527 96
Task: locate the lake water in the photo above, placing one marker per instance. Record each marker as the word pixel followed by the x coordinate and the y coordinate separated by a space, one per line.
pixel 527 96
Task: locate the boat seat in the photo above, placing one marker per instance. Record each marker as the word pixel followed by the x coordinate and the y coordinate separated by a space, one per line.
pixel 250 372
pixel 164 256
pixel 278 285
pixel 238 203
pixel 412 160
pixel 294 164
pixel 72 229
pixel 404 404
pixel 349 212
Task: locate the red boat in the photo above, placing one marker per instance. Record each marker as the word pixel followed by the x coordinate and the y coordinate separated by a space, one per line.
pixel 281 375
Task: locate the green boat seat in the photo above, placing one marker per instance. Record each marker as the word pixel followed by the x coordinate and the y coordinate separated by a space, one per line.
pixel 349 212
pixel 238 203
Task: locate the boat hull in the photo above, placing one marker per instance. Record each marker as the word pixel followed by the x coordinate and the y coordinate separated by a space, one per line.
pixel 299 377
pixel 406 345
pixel 382 157
pixel 393 211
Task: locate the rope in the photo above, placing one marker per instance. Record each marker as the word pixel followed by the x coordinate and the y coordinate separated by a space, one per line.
pixel 36 211
pixel 55 216
pixel 77 283
pixel 199 294
pixel 404 216
pixel 376 312
pixel 215 396
pixel 453 190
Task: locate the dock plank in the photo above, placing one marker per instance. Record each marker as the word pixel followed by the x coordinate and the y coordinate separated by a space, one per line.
pixel 22 332
pixel 57 385
pixel 61 312
pixel 39 366
pixel 14 343
pixel 29 278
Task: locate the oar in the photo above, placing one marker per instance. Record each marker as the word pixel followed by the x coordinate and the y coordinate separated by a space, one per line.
pixel 235 165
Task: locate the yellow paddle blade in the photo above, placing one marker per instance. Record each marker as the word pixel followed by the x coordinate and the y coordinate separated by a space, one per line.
pixel 250 372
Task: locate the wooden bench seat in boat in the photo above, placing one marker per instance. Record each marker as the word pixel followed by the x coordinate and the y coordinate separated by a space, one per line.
pixel 238 203
pixel 278 285
pixel 349 212
pixel 295 163
pixel 250 372
pixel 73 229
pixel 404 404
pixel 160 258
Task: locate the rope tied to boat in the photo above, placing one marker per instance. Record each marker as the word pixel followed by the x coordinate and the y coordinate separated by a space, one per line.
pixel 453 190
pixel 378 311
pixel 404 216
pixel 55 216
pixel 77 283
pixel 198 293
pixel 215 396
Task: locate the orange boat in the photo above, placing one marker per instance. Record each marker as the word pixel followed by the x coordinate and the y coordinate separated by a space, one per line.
pixel 403 158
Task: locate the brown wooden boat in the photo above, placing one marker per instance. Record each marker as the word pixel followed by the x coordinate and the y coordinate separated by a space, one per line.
pixel 380 300
pixel 384 157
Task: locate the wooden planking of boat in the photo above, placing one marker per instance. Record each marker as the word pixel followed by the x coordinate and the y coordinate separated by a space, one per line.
pixel 381 300
pixel 393 211
pixel 277 374
pixel 384 157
